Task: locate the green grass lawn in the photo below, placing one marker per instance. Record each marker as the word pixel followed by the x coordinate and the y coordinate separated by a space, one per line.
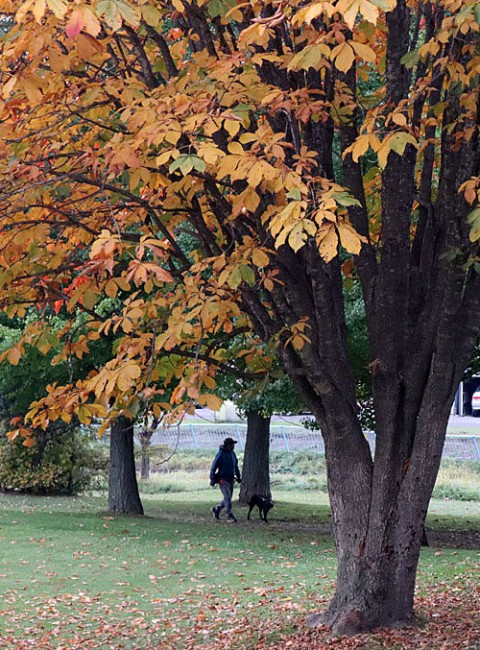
pixel 73 577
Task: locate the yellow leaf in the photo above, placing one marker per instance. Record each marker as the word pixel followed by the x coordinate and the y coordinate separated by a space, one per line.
pixel 400 119
pixel 164 157
pixel 394 142
pixel 39 9
pixel 227 166
pixel 58 7
pixel 58 61
pixel 31 86
pixel 328 243
pixel 111 288
pixel 349 237
pixel 232 127
pixel 127 376
pixel 364 51
pixel 212 401
pixel 297 237
pixel 236 148
pixel 344 56
pixel 298 342
pixel 8 87
pixel 312 11
pixel 311 56
pixel 359 147
pixel 250 198
pixel 151 15
pixel 350 8
pixel 260 258
pixel 92 25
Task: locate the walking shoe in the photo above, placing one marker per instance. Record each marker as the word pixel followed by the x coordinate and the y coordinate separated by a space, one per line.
pixel 215 513
pixel 231 519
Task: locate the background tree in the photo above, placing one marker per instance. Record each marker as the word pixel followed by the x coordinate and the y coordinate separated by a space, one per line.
pixel 127 124
pixel 257 399
pixel 60 459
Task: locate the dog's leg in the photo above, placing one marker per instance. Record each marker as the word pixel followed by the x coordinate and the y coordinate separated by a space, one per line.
pixel 250 510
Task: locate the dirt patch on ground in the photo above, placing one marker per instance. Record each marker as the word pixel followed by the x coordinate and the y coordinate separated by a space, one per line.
pixel 466 539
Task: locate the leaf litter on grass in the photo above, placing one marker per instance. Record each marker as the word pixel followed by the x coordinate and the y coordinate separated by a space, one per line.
pixel 449 619
pixel 95 583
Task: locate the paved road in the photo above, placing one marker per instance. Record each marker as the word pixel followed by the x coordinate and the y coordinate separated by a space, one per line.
pixel 205 416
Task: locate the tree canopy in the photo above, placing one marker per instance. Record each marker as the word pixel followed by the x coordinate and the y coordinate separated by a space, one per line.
pixel 220 167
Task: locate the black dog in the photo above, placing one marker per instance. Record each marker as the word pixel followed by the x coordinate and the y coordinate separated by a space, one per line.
pixel 264 504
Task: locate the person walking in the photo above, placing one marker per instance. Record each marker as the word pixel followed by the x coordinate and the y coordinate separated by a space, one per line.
pixel 224 471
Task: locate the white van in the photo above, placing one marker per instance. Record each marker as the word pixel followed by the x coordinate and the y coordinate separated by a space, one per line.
pixel 476 403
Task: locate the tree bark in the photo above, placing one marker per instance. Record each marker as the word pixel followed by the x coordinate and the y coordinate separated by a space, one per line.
pixel 123 495
pixel 378 555
pixel 145 464
pixel 256 460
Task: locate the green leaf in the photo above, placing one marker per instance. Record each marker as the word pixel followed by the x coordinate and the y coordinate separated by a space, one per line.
pixel 220 7
pixel 294 194
pixel 473 218
pixel 410 59
pixel 345 199
pixel 247 274
pixel 235 278
pixel 385 5
pixel 186 162
pixel 116 10
pixel 311 56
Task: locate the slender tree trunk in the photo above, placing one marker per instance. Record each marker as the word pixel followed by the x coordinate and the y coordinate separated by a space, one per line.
pixel 256 461
pixel 145 437
pixel 123 495
pixel 145 464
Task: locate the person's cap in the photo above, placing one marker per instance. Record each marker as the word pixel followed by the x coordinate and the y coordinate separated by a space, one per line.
pixel 229 441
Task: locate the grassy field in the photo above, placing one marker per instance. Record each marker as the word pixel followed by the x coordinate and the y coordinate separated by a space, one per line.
pixel 302 472
pixel 73 577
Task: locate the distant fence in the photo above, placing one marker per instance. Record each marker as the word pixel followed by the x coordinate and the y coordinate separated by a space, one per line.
pixel 287 438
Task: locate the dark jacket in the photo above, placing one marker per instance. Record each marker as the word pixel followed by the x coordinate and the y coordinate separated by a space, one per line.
pixel 224 466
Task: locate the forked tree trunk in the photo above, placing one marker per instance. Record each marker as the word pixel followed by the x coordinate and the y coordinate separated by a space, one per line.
pixel 256 459
pixel 123 495
pixel 379 515
pixel 145 435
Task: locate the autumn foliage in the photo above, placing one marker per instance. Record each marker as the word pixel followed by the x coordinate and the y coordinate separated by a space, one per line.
pixel 184 173
pixel 125 125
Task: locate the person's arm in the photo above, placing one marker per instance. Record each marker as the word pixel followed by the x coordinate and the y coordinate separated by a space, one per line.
pixel 237 470
pixel 214 466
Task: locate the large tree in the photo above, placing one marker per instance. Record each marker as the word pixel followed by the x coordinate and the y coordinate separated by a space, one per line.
pixel 272 134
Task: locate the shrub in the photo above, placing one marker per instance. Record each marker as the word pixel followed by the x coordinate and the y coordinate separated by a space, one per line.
pixel 64 460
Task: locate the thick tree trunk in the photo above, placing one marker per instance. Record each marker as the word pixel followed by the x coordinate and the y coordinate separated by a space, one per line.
pixel 378 554
pixel 256 461
pixel 123 496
